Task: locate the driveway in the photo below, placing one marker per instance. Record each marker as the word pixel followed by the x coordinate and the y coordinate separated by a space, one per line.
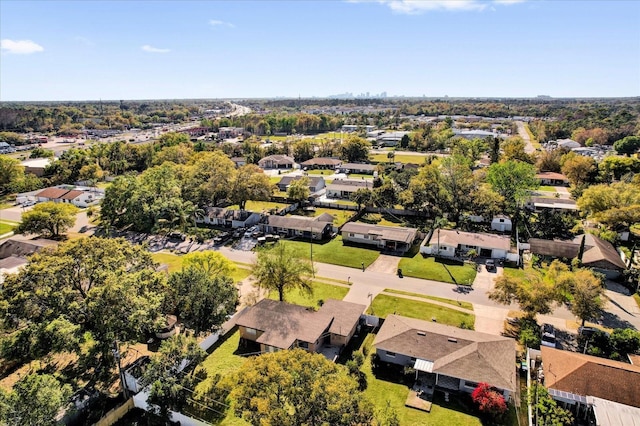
pixel 485 280
pixel 385 264
pixel 14 213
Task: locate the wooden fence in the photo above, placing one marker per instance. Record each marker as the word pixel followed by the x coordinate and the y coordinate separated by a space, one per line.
pixel 116 414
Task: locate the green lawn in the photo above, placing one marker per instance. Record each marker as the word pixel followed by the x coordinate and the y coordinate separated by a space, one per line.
pixel 514 272
pixel 381 391
pixel 174 262
pixel 381 219
pixel 321 291
pixel 334 252
pixel 384 305
pixel 547 188
pixel 399 158
pixel 429 269
pixel 260 206
pixel 6 227
pixel 360 175
pixel 465 305
pixel 320 172
pixel 340 216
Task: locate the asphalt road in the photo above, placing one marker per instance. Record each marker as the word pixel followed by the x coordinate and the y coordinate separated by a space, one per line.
pixel 522 132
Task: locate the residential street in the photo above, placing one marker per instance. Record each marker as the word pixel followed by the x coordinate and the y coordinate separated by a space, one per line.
pixel 522 132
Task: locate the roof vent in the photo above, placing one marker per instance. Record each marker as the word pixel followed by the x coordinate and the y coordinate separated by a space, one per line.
pixel 452 340
pixel 421 333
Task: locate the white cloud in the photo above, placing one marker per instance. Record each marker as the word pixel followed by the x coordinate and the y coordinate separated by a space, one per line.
pixel 152 49
pixel 219 23
pixel 20 47
pixel 414 7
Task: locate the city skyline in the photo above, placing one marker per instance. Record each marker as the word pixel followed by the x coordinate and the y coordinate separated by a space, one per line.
pixel 56 51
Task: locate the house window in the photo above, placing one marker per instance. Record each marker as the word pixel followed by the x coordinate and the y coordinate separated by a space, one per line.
pixel 501 220
pixel 391 354
pixel 303 345
pixel 471 385
pixel 251 332
pixel 351 234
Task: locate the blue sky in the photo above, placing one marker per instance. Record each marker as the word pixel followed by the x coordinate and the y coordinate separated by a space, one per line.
pixel 81 50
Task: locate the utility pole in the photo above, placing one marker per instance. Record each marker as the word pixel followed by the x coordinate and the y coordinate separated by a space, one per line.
pixel 116 355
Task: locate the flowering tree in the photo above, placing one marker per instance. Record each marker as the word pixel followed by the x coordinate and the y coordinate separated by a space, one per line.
pixel 489 401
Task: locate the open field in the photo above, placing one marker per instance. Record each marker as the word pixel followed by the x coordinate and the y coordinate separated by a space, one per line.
pixel 399 158
pixel 260 206
pixel 384 305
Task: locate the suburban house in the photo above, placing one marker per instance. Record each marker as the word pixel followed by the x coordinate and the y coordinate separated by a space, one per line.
pixel 501 223
pixel 277 162
pixel 15 250
pixel 454 243
pixel 553 203
pixel 322 163
pixel 552 179
pixel 343 188
pixel 78 197
pixel 278 325
pixel 390 138
pixel 474 134
pixel 446 357
pixel 598 254
pixel 383 237
pixel 360 168
pixel 317 228
pixel 316 183
pixel 230 132
pixel 36 166
pixel 572 377
pixel 218 216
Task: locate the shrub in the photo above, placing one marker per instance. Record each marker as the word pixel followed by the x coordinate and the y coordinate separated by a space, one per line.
pixel 488 400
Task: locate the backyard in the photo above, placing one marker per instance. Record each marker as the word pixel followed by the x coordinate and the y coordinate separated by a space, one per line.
pixel 430 268
pixel 174 262
pixel 340 217
pixel 260 206
pixel 398 158
pixel 334 252
pixel 384 305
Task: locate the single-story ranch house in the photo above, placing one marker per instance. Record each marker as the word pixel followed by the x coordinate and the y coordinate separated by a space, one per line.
pixel 316 183
pixel 552 179
pixel 322 163
pixel 454 243
pixel 360 168
pixel 317 228
pixel 219 216
pixel 279 325
pixel 598 254
pixel 394 238
pixel 446 357
pixel 343 188
pixel 276 162
pixel 78 197
pixel 552 203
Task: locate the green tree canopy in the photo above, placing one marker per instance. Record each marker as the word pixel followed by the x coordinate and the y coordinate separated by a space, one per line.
pixel 512 180
pixel 250 183
pixel 10 172
pixel 298 191
pixel 49 219
pixel 296 387
pixel 355 149
pixel 627 145
pixel 278 269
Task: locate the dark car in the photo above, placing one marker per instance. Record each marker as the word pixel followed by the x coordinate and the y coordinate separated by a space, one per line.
pixel 490 265
pixel 176 236
pixel 548 336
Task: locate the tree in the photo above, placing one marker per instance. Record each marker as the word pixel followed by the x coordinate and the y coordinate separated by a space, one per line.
pixel 10 172
pixel 546 409
pixel 178 154
pixel 171 139
pixel 627 145
pixel 298 191
pixel 297 387
pixel 488 400
pixel 200 300
pixel 533 294
pixel 362 197
pixel 35 400
pixel 588 295
pixel 612 205
pixel 278 269
pixel 213 263
pixel 107 287
pixel 404 141
pixel 513 149
pixel 171 386
pixel 50 219
pixel 303 150
pixel 512 180
pixel 250 183
pixel 210 178
pixel 355 149
pixel 578 169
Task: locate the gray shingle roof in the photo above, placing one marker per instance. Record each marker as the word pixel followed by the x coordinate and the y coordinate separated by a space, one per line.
pixel 388 233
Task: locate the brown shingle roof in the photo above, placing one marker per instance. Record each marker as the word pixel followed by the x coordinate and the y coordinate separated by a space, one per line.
pixel 298 223
pixel 20 246
pixel 596 250
pixel 322 161
pixel 588 375
pixel 52 193
pixel 388 233
pixel 278 159
pixel 554 248
pixel 551 175
pixel 71 195
pixel 345 315
pixel 464 354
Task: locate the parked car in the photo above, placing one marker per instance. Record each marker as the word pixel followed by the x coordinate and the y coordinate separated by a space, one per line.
pixel 588 331
pixel 548 336
pixel 176 236
pixel 490 265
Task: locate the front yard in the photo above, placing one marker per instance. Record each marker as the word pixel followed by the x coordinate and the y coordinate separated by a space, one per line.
pixel 6 227
pixel 428 268
pixel 384 305
pixel 174 262
pixel 321 291
pixel 334 252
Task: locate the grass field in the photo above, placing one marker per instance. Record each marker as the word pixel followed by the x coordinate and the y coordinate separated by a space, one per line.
pixel 384 305
pixel 6 227
pixel 465 305
pixel 429 269
pixel 547 188
pixel 334 252
pixel 534 141
pixel 382 392
pixel 320 172
pixel 260 206
pixel 321 291
pixel 399 158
